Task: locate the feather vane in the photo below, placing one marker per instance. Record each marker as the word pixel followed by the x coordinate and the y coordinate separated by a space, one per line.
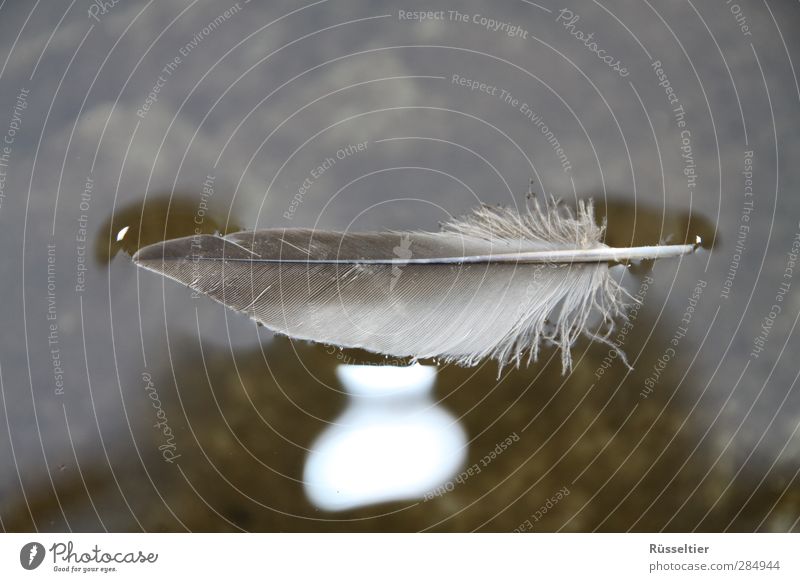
pixel 495 284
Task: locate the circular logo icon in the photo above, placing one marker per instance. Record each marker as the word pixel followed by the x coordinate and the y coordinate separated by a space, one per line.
pixel 31 555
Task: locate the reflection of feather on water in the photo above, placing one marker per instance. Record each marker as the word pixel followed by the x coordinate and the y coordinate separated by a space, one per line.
pixel 491 285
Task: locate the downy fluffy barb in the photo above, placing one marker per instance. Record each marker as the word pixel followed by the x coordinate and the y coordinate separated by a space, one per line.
pixel 464 294
pixel 554 226
pixel 561 309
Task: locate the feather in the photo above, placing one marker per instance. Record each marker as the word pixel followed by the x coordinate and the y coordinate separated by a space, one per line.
pixel 494 284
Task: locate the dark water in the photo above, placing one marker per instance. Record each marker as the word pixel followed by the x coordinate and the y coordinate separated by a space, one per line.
pixel 129 405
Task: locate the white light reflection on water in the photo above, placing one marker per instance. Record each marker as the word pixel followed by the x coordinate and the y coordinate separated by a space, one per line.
pixel 392 442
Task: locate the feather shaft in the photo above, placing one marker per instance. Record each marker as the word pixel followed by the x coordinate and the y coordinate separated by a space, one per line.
pixel 597 255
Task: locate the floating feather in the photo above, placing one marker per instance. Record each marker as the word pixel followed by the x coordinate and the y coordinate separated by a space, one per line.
pixel 495 284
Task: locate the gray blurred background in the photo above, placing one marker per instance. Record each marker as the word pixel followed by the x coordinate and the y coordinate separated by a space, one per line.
pixel 164 117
